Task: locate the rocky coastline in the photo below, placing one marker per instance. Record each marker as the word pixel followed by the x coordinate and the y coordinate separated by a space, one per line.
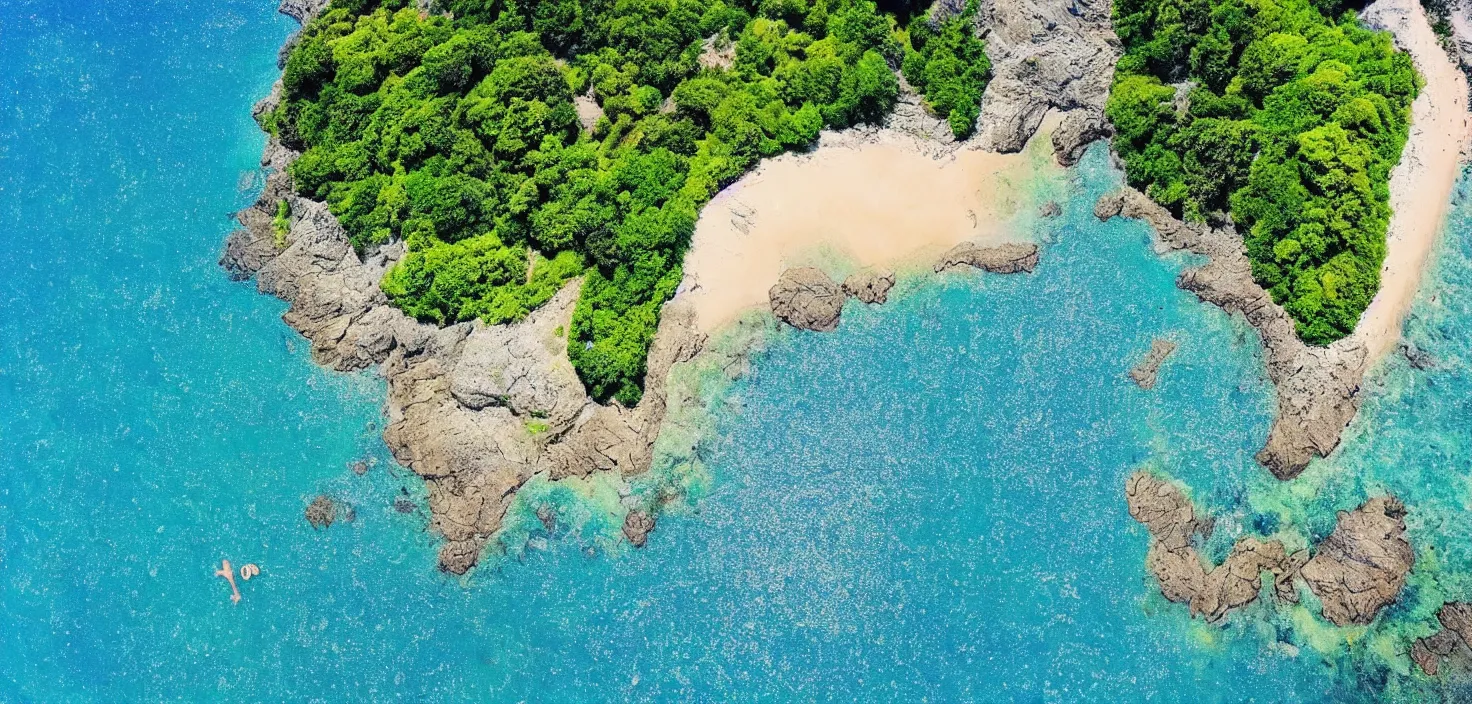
pixel 1318 387
pixel 477 410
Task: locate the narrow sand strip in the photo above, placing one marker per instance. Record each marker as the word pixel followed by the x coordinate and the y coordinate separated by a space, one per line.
pixel 874 201
pixel 1421 185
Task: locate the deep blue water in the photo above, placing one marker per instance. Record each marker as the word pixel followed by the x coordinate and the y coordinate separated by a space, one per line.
pixel 925 506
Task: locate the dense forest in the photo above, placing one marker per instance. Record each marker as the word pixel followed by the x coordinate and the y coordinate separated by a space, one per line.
pixel 458 132
pixel 1280 115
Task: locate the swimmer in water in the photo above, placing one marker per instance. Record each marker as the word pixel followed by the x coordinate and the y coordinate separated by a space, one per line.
pixel 229 574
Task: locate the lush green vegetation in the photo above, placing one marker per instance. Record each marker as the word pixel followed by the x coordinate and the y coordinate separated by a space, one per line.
pixel 459 134
pixel 281 224
pixel 947 63
pixel 1292 125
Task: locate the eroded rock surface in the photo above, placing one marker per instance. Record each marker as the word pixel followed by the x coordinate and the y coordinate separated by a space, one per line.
pixel 1147 372
pixel 1453 641
pixel 1046 56
pixel 1010 258
pixel 804 297
pixel 1362 565
pixel 1318 387
pixel 869 286
pixel 1184 577
pixel 638 524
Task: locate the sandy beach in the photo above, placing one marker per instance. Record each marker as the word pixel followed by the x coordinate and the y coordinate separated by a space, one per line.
pixel 1421 185
pixel 850 204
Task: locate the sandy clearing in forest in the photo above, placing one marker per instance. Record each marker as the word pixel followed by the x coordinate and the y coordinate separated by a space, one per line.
pixel 860 199
pixel 1421 184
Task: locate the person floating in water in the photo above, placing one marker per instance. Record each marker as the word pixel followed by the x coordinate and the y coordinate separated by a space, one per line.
pixel 229 574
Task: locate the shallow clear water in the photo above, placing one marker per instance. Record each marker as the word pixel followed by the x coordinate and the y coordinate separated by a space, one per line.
pixel 926 505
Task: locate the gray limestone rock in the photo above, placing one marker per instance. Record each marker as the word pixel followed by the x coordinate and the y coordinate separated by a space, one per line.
pixel 1046 56
pixel 302 11
pixel 1011 258
pixel 804 297
pixel 869 286
pixel 1361 567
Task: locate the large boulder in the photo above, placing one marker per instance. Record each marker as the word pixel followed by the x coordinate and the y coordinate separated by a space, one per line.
pixel 806 298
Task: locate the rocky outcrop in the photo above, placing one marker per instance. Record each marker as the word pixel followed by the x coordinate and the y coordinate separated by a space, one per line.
pixel 302 10
pixel 1363 564
pixel 1148 370
pixel 1453 641
pixel 1010 258
pixel 869 286
pixel 804 297
pixel 1318 387
pixel 1356 571
pixel 1184 577
pixel 638 524
pixel 1046 56
pixel 1076 132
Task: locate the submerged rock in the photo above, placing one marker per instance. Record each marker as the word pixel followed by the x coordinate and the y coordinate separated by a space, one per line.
pixel 1010 258
pixel 1361 567
pixel 806 298
pixel 638 524
pixel 1050 209
pixel 322 512
pixel 869 286
pixel 1148 370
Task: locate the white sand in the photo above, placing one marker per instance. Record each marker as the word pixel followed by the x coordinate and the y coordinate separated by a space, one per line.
pixel 851 204
pixel 1421 185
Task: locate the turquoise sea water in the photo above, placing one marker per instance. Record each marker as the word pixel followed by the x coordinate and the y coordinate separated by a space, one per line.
pixel 924 506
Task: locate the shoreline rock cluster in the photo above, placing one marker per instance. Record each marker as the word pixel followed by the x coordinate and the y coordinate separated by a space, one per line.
pixel 1318 387
pixel 474 410
pixel 1356 571
pixel 806 298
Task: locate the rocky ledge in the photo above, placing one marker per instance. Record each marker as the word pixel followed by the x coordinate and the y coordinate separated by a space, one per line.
pixel 1358 570
pixel 1147 371
pixel 1183 575
pixel 1318 387
pixel 1453 642
pixel 1051 56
